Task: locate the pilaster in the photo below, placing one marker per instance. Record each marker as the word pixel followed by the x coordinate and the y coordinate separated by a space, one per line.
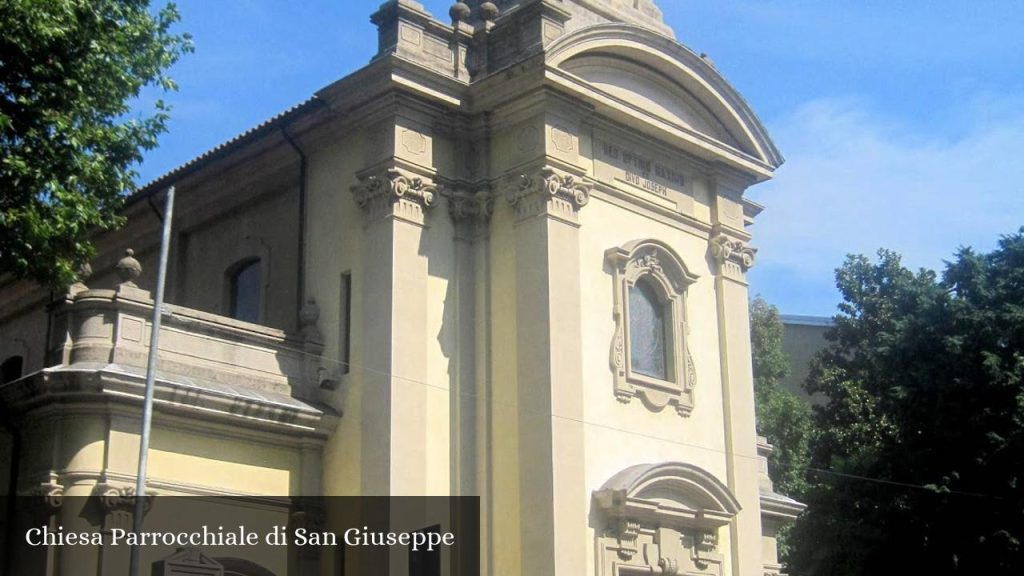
pixel 470 206
pixel 733 257
pixel 472 199
pixel 545 204
pixel 395 444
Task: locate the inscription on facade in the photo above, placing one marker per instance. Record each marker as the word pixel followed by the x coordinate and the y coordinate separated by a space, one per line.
pixel 641 171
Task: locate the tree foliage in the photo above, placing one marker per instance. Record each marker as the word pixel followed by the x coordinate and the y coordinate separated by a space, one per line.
pixel 783 418
pixel 923 431
pixel 69 71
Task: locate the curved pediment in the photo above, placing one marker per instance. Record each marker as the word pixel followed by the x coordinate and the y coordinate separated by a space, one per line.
pixel 646 76
pixel 648 90
pixel 662 519
pixel 672 493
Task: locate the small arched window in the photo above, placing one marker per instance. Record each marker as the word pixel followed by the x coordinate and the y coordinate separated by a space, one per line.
pixel 12 369
pixel 650 343
pixel 245 291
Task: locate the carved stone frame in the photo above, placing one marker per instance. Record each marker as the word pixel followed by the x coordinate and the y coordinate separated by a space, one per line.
pixel 662 519
pixel 655 262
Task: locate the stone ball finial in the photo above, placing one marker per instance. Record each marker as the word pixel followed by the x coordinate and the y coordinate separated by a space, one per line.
pixel 489 11
pixel 128 268
pixel 460 12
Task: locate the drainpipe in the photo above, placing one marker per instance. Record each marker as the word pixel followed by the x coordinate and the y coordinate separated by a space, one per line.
pixel 303 172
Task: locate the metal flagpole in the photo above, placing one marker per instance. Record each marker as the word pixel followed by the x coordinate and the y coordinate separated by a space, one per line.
pixel 147 406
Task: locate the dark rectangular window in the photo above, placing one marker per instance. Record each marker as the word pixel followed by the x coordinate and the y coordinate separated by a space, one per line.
pixel 345 325
pixel 246 298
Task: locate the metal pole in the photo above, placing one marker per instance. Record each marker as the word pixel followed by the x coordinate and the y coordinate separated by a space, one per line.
pixel 147 406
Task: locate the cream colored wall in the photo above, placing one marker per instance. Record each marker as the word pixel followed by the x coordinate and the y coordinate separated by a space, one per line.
pixel 87 445
pixel 265 228
pixel 442 347
pixel 336 224
pixel 613 436
pixel 622 435
pixel 23 333
pixel 505 465
pixel 698 438
pixel 90 445
pixel 226 461
pixel 404 316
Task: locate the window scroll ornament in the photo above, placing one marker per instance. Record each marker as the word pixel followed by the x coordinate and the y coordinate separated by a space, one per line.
pixel 650 283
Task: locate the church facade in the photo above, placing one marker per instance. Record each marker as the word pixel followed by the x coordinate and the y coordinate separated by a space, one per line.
pixel 505 259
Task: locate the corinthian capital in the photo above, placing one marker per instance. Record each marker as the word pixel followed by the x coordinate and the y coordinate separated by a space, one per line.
pixel 731 252
pixel 395 192
pixel 548 190
pixel 471 204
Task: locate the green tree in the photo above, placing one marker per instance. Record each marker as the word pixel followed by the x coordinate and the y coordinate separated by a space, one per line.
pixel 923 431
pixel 69 72
pixel 782 416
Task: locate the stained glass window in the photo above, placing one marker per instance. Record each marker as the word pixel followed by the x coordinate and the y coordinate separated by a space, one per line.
pixel 647 332
pixel 246 292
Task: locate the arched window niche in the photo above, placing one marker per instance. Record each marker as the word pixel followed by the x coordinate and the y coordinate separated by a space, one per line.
pixel 12 369
pixel 662 519
pixel 649 355
pixel 245 290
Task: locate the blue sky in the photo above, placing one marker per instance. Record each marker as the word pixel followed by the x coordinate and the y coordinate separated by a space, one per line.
pixel 902 122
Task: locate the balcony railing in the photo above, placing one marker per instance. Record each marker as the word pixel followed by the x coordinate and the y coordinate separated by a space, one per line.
pixel 111 329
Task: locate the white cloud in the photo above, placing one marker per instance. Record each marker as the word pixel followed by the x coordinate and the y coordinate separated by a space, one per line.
pixel 855 182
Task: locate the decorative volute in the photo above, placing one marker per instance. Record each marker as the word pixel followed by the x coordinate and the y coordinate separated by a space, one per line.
pixel 644 13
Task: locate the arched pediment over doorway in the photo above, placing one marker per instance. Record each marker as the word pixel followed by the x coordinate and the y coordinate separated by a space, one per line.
pixel 650 81
pixel 662 517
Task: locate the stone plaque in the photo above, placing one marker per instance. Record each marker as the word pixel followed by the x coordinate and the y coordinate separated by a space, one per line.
pixel 642 172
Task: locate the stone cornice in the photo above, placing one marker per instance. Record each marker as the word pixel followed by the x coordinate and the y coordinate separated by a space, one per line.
pixel 107 387
pixel 780 508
